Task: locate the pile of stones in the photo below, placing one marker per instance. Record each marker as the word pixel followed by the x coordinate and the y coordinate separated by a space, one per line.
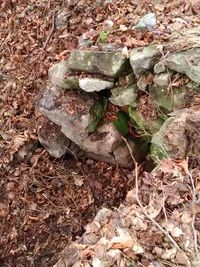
pixel 100 95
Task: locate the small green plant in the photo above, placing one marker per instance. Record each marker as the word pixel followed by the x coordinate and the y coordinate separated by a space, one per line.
pixel 102 37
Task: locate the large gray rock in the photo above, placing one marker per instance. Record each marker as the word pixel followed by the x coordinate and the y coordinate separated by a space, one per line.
pixel 70 110
pixel 94 84
pixel 110 64
pixel 187 62
pixel 123 96
pixel 59 75
pixel 179 137
pixel 143 59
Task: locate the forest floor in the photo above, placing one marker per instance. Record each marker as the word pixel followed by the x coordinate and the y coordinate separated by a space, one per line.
pixel 44 203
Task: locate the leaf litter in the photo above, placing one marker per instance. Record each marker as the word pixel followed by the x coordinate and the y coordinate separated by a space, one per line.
pixel 44 204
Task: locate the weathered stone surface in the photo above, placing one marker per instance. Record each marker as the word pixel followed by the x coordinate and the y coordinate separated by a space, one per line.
pixel 162 79
pixel 147 22
pixel 102 143
pixel 70 110
pixel 187 62
pixel 110 64
pixel 144 59
pixel 106 145
pixel 179 137
pixel 53 140
pixel 145 126
pixel 170 100
pixel 123 96
pixel 123 157
pixel 94 84
pixel 58 76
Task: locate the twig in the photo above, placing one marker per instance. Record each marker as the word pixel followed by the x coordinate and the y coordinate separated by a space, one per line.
pixel 193 214
pixel 52 29
pixel 140 204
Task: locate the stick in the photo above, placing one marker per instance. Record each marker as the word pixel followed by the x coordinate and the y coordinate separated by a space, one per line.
pixel 52 29
pixel 140 204
pixel 193 214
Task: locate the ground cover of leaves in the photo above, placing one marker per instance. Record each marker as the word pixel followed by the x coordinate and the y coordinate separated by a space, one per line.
pixel 40 195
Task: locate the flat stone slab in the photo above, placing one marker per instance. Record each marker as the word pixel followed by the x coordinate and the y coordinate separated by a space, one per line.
pixel 111 64
pixel 94 85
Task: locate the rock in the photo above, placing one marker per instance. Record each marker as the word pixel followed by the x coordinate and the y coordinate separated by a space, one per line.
pixel 111 64
pixel 123 96
pixel 170 100
pixel 144 81
pixel 101 144
pixel 52 139
pixel 110 47
pixel 55 142
pixel 162 79
pixel 145 126
pixel 187 62
pixel 106 145
pixel 174 98
pixel 147 22
pixel 94 84
pixel 61 19
pixel 170 141
pixel 84 41
pixel 179 137
pixel 58 76
pixel 76 112
pixel 144 59
pixel 160 67
pixel 123 157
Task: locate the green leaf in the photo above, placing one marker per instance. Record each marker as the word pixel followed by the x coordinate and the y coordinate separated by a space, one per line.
pixel 121 123
pixel 103 36
pixel 97 112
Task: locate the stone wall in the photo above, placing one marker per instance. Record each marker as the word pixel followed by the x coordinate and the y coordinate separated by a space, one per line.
pixel 148 95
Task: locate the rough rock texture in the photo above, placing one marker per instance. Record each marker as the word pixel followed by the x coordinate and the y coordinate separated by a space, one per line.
pixel 144 59
pixel 172 99
pixel 187 62
pixel 162 79
pixel 147 22
pixel 106 145
pixel 70 110
pixel 103 141
pixel 95 85
pixel 123 96
pixel 58 76
pixel 53 140
pixel 110 64
pixel 179 136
